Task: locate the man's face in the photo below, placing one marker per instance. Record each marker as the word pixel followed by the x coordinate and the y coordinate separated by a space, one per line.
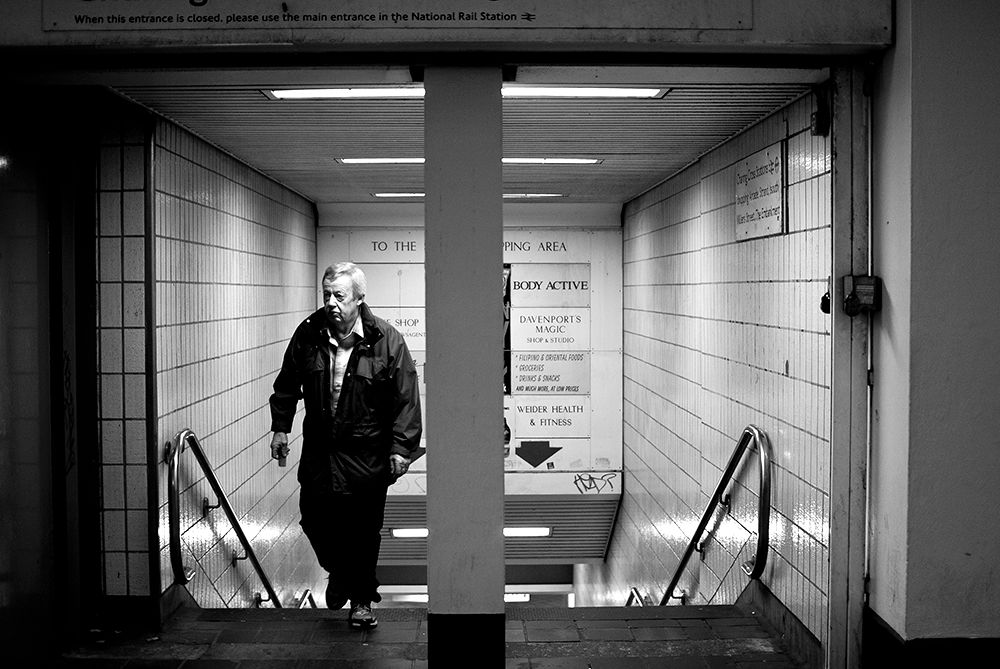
pixel 339 301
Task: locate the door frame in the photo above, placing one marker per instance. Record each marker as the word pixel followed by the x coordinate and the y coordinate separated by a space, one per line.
pixel 849 426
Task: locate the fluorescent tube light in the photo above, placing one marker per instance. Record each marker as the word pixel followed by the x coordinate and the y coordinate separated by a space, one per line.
pixel 551 161
pixel 380 161
pixel 506 161
pixel 507 196
pixel 580 92
pixel 527 531
pixel 375 92
pixel 516 597
pixel 369 92
pixel 422 532
pixel 412 599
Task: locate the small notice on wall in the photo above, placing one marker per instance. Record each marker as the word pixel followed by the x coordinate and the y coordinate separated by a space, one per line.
pixel 558 372
pixel 760 193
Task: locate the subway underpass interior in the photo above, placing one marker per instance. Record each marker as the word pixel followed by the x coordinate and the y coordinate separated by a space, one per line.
pixel 643 330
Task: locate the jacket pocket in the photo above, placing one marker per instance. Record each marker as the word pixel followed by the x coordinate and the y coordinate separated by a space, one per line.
pixel 371 369
pixel 313 360
pixel 314 380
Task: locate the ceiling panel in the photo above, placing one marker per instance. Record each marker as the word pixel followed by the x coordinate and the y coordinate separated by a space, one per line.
pixel 640 142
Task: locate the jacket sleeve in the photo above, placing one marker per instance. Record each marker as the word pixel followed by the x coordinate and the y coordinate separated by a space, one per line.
pixel 407 426
pixel 287 390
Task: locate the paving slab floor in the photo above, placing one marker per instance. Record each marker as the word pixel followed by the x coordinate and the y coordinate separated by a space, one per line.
pixel 671 637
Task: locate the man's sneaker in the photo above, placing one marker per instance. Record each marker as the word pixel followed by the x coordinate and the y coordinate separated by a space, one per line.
pixel 362 616
pixel 334 600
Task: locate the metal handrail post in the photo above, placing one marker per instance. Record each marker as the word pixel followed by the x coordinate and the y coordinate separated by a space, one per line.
pixel 182 574
pixel 756 568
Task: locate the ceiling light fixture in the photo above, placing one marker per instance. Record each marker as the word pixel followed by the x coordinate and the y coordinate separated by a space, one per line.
pixel 422 532
pixel 527 531
pixel 551 161
pixel 375 92
pixel 380 161
pixel 580 92
pixel 506 161
pixel 411 599
pixel 516 597
pixel 368 92
pixel 507 196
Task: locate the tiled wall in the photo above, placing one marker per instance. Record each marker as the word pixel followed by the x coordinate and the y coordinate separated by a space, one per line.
pixel 121 354
pixel 26 448
pixel 235 273
pixel 721 333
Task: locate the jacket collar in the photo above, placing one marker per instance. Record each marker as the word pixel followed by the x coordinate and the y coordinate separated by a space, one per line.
pixel 372 331
pixel 369 324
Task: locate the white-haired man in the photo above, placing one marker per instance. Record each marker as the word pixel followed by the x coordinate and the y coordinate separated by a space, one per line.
pixel 362 425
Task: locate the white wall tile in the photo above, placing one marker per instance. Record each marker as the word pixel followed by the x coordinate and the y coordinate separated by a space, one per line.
pixel 227 236
pixel 719 334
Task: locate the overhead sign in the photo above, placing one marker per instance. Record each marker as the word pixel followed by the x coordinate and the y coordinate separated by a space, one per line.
pixel 132 15
pixel 384 246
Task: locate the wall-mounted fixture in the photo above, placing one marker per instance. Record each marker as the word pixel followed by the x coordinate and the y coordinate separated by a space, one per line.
pixel 862 294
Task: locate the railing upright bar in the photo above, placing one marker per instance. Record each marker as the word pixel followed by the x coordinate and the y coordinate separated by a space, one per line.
pixel 182 574
pixel 750 435
pixel 763 506
pixel 188 437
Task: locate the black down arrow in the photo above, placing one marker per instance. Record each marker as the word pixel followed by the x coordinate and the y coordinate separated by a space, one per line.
pixel 536 452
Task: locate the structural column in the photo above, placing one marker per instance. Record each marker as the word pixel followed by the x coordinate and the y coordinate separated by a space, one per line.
pixel 464 260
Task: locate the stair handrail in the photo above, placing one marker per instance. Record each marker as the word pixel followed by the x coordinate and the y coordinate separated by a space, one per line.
pixel 754 567
pixel 182 574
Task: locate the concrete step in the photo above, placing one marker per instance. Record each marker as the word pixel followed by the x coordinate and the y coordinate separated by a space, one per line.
pixel 679 637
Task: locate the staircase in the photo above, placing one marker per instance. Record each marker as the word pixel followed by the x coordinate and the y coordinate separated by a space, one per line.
pixel 679 637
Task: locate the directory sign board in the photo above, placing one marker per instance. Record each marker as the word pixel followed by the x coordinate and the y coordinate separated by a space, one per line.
pixel 562 380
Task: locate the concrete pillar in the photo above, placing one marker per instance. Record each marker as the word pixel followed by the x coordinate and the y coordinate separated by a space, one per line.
pixel 935 455
pixel 463 218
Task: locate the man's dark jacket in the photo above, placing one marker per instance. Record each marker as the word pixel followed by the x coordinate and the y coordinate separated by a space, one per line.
pixel 378 412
